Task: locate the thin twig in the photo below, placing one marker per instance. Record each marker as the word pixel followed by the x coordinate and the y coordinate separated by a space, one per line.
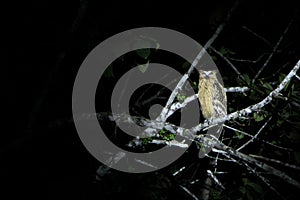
pixel 189 192
pixel 263 179
pixel 164 113
pixel 243 163
pixel 221 159
pixel 255 136
pixel 254 107
pixel 273 52
pixel 276 161
pixel 258 36
pixel 157 94
pixel 182 131
pixel 213 141
pixel 216 180
pixel 226 59
pixel 250 160
pixel 249 61
pixel 178 171
pixel 258 139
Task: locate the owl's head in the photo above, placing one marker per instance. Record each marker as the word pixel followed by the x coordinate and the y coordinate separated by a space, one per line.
pixel 210 74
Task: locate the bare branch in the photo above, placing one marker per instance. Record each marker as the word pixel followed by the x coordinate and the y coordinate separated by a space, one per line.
pixel 164 113
pixel 170 143
pixel 218 151
pixel 266 181
pixel 257 35
pixel 214 142
pixel 226 59
pixel 249 61
pixel 276 161
pixel 258 139
pixel 256 106
pixel 178 171
pixel 237 89
pixel 216 180
pixel 255 136
pixel 155 124
pixel 189 192
pixel 217 144
pixel 178 105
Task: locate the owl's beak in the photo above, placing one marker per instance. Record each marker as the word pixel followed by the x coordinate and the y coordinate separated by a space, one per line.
pixel 206 76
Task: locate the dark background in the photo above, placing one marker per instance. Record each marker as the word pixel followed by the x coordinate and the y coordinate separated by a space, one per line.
pixel 47 42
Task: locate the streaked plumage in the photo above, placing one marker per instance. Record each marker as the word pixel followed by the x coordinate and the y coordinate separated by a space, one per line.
pixel 212 95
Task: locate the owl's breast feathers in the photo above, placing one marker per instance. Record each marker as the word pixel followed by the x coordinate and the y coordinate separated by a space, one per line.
pixel 206 98
pixel 212 98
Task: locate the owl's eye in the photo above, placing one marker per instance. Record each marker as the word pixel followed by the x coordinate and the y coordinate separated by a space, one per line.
pixel 207 73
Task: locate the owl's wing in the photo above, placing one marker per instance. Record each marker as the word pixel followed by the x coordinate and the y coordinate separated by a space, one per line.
pixel 219 100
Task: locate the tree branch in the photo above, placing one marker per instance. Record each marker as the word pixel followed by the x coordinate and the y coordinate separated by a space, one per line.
pixel 164 113
pixel 272 53
pixel 226 59
pixel 255 136
pixel 256 106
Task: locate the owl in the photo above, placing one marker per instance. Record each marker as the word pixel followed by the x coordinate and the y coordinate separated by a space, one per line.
pixel 212 95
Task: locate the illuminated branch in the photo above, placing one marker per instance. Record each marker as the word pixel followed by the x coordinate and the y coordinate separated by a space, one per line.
pixel 178 105
pixel 211 141
pixel 255 107
pixel 164 114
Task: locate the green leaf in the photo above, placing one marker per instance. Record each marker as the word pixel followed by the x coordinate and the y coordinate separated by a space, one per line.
pixel 243 190
pixel 202 147
pixel 281 77
pixel 268 86
pixel 186 65
pixel 145 141
pixel 143 67
pixel 180 97
pixel 144 53
pixel 226 51
pixel 257 188
pixel 172 137
pixel 214 58
pixel 169 137
pixel 279 122
pixel 108 73
pixel 286 86
pixel 245 181
pixel 239 135
pixel 247 79
pixel 258 117
pixel 195 85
